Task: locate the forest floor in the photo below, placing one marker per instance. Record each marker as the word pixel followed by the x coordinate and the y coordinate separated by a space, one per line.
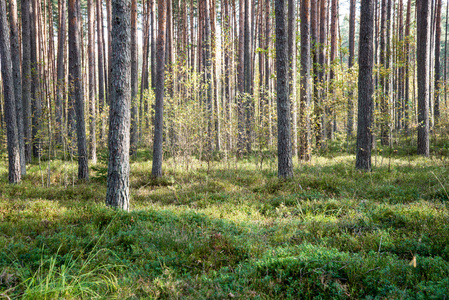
pixel 230 230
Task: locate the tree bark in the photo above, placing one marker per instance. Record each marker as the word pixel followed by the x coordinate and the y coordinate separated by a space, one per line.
pixel 445 55
pixel 436 105
pixel 76 91
pixel 109 22
pixel 407 66
pixel 314 46
pixel 60 71
pixel 36 109
pixel 17 78
pixel 322 73
pixel 352 12
pixel 292 77
pixel 423 57
pixel 333 56
pixel 26 76
pixel 365 100
pixel 134 79
pixel 241 80
pixel 101 69
pixel 247 76
pixel 159 109
pixel 14 174
pixel 383 78
pixel 119 114
pixel 92 80
pixel 305 80
pixel 285 164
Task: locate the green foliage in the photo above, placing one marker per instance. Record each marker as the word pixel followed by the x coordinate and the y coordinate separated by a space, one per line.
pixel 232 230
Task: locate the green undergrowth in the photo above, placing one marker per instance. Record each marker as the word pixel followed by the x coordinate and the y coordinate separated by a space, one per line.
pixel 229 229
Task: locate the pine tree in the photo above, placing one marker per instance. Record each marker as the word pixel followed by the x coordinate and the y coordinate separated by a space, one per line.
pixel 120 104
pixel 285 164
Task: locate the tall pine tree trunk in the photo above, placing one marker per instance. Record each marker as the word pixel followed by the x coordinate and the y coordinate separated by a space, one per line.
pixel 305 80
pixel 333 56
pixel 407 66
pixel 134 79
pixel 61 71
pixel 292 77
pixel 17 78
pixel 285 163
pixel 350 124
pixel 365 102
pixel 241 80
pixel 120 105
pixel 92 80
pixel 436 107
pixel 101 69
pixel 76 90
pixel 158 117
pixel 36 108
pixel 423 65
pixel 320 125
pixel 14 174
pixel 26 75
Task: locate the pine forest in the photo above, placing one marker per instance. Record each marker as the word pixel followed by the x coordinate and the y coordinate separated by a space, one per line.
pixel 217 149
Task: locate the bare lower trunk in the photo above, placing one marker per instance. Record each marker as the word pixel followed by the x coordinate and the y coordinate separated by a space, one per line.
pixel 92 79
pixel 120 103
pixel 305 80
pixel 17 77
pixel 76 91
pixel 423 46
pixel 134 79
pixel 159 108
pixel 365 109
pixel 285 164
pixel 14 174
pixel 26 76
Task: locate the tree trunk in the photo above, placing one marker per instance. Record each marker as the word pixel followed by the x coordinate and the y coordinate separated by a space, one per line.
pixel 158 117
pixel 153 44
pixel 383 78
pixel 241 80
pixel 17 78
pixel 400 72
pixel 108 17
pixel 144 85
pixel 365 108
pixel 92 80
pixel 120 104
pixel 436 105
pixel 134 79
pixel 208 75
pixel 350 123
pixel 321 74
pixel 407 68
pixel 60 71
pixel 292 77
pixel 285 164
pixel 445 55
pixel 26 76
pixel 314 46
pixel 101 70
pixel 247 76
pixel 76 91
pixel 333 57
pixel 14 174
pixel 305 80
pixel 423 56
pixel 36 108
